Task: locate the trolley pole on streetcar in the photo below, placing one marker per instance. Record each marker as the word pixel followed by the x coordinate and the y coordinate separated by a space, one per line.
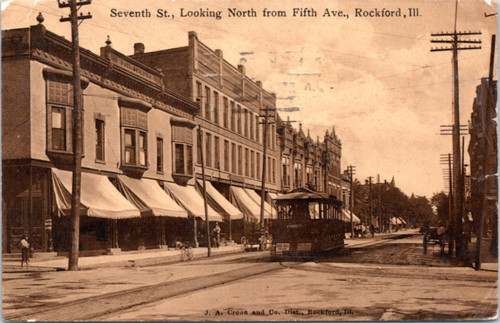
pixel 351 170
pixel 204 192
pixel 77 127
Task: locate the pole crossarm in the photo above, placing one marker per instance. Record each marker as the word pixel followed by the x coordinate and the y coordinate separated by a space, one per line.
pixel 456 33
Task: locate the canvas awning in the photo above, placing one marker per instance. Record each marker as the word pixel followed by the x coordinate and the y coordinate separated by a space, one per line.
pixel 347 215
pixel 218 202
pixel 256 198
pixel 148 193
pixel 99 198
pixel 191 201
pixel 244 203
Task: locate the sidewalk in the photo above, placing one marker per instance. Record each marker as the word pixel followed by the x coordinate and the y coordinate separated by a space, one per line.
pixel 125 259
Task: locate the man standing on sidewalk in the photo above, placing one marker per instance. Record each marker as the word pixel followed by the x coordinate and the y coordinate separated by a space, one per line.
pixel 25 249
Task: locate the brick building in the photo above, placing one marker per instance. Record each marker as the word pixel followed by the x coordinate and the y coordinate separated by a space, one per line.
pixel 483 154
pixel 139 149
pixel 230 119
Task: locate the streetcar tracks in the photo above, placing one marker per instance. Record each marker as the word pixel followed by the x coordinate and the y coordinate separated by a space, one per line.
pixel 103 305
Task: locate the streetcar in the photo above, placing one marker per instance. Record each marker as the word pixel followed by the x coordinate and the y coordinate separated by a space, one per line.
pixel 308 224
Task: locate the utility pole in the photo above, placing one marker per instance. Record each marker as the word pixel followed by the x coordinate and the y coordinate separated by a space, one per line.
pixel 484 147
pixel 327 138
pixel 77 128
pixel 371 200
pixel 379 204
pixel 264 163
pixel 455 42
pixel 200 137
pixel 351 170
pixel 446 160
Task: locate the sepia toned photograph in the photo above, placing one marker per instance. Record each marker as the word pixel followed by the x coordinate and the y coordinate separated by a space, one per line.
pixel 249 160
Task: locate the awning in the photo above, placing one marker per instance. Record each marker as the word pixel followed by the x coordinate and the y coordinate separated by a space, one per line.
pixel 272 195
pixel 191 200
pixel 242 201
pixel 256 198
pixel 150 194
pixel 98 196
pixel 218 202
pixel 347 215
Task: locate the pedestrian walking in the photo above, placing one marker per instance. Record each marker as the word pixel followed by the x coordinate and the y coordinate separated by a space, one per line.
pixel 216 235
pixel 426 242
pixel 372 230
pixel 25 249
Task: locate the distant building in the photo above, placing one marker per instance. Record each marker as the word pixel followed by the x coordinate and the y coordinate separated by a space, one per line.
pixel 483 154
pixel 309 163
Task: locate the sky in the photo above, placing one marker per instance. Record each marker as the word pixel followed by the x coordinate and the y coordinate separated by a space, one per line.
pixel 372 78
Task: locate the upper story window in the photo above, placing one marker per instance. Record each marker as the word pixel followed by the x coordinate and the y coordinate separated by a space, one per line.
pixel 216 107
pixel 226 155
pixel 182 145
pixel 233 116
pixel 233 158
pixel 257 134
pixel 134 133
pixel 199 93
pixel 207 103
pixel 252 164
pixel 245 121
pixel 239 119
pixel 100 140
pixel 217 152
pixel 225 116
pixel 59 105
pixel 250 118
pixel 159 155
pixel 208 150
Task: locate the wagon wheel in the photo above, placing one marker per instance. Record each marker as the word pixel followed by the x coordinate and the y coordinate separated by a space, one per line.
pixel 244 241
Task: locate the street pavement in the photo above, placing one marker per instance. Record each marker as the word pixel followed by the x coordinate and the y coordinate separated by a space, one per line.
pixel 34 289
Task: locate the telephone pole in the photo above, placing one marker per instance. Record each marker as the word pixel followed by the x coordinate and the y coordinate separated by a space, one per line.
pixel 264 163
pixel 351 170
pixel 455 43
pixel 371 200
pixel 77 127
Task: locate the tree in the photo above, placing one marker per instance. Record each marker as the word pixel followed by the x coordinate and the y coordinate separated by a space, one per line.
pixel 441 203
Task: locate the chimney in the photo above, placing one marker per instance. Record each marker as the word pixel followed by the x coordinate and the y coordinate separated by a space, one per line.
pixel 218 52
pixel 259 83
pixel 139 48
pixel 241 68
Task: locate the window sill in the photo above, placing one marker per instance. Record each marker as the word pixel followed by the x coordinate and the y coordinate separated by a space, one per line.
pixel 133 170
pixel 181 179
pixel 98 161
pixel 60 158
